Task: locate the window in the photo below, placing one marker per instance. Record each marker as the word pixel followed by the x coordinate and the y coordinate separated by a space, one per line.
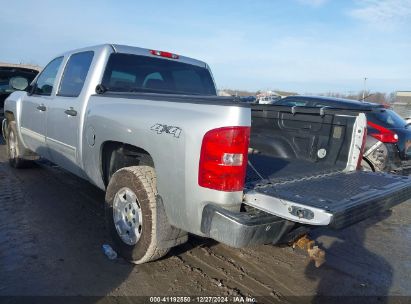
pixel 120 79
pixel 45 81
pixel 7 74
pixel 291 102
pixel 134 73
pixel 154 75
pixel 388 117
pixel 75 74
pixel 187 80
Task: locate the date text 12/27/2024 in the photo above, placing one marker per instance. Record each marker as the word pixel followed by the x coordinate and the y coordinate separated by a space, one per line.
pixel 203 299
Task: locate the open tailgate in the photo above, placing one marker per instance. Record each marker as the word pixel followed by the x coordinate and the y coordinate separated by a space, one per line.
pixel 337 199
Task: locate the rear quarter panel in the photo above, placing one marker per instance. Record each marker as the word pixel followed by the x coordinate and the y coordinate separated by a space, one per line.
pixel 176 158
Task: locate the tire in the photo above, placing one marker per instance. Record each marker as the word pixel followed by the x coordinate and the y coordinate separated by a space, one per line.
pixel 366 166
pixel 15 149
pixel 135 235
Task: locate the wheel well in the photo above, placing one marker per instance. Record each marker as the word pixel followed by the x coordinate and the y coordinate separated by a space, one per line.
pixel 117 155
pixel 9 116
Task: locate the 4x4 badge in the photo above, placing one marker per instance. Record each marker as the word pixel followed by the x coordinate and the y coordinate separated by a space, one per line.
pixel 160 129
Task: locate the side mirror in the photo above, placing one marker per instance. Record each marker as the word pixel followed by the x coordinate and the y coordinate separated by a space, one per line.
pixel 18 83
pixel 30 89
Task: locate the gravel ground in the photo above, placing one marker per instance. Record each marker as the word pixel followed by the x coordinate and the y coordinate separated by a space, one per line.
pixel 52 230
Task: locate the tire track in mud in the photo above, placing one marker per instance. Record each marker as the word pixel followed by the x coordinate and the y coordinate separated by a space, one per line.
pixel 17 242
pixel 226 272
pixel 243 272
pixel 250 275
pixel 214 280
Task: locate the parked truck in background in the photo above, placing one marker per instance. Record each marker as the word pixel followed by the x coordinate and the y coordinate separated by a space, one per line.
pixel 147 127
pixel 14 77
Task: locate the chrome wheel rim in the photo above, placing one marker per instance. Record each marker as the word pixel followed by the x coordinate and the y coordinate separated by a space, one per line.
pixel 127 216
pixel 12 145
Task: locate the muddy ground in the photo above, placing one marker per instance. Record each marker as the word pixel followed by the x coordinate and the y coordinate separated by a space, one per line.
pixel 52 230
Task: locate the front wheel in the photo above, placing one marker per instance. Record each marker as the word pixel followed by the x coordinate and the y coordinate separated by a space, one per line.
pixel 131 214
pixel 15 148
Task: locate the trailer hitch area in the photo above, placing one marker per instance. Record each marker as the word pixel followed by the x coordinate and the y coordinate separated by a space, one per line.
pixel 315 253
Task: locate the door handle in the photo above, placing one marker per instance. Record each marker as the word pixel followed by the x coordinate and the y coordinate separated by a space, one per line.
pixel 42 108
pixel 71 112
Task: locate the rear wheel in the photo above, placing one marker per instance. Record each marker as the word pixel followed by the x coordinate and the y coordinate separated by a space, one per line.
pixel 15 148
pixel 131 214
pixel 366 166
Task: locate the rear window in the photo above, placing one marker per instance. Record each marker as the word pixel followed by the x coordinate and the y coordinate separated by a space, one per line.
pixel 75 74
pixel 133 73
pixel 387 117
pixel 6 74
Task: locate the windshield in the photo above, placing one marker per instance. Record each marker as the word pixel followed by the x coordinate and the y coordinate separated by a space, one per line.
pixel 388 117
pixel 7 74
pixel 133 73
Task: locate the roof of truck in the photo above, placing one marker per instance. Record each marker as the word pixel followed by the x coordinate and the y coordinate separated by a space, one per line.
pixel 146 52
pixel 119 48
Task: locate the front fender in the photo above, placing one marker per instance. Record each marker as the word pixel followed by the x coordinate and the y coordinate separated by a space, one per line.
pixel 13 108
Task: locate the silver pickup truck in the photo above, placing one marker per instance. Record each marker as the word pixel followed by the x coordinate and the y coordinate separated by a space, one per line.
pixel 147 127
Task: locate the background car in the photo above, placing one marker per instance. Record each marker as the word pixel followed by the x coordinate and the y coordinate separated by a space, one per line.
pixel 268 99
pixel 12 77
pixel 388 145
pixel 248 99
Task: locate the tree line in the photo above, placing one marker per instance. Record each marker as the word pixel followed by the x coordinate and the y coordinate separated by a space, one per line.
pixel 378 97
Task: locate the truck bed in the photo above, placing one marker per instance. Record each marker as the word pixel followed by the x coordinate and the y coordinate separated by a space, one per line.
pixel 285 143
pixel 263 168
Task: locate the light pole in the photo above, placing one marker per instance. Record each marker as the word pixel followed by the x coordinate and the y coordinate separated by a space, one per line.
pixel 365 88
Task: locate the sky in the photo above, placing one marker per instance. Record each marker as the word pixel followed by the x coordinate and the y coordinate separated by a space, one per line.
pixel 304 46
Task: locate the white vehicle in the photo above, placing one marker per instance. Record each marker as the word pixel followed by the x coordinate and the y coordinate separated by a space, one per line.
pixel 268 99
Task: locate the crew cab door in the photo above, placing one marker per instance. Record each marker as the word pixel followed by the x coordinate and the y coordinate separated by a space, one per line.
pixel 64 117
pixel 35 109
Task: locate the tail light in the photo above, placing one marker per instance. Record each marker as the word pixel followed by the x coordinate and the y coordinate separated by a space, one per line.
pixel 223 158
pixel 164 54
pixel 382 134
pixel 362 149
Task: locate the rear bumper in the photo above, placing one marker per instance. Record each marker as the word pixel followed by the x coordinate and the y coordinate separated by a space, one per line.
pixel 242 229
pixel 335 200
